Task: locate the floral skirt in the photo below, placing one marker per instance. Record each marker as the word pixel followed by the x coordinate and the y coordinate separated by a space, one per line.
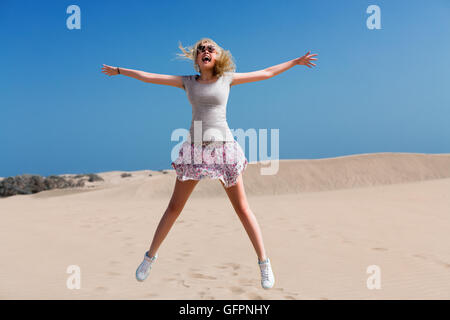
pixel 223 160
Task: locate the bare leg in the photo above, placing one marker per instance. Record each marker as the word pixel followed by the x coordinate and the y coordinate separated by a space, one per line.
pixel 180 195
pixel 238 199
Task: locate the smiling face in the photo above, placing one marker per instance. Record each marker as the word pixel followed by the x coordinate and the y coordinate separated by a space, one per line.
pixel 205 58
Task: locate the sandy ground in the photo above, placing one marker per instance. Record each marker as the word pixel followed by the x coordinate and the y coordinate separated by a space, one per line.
pixel 323 222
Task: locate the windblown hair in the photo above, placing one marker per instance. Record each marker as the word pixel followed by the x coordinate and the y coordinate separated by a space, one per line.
pixel 224 59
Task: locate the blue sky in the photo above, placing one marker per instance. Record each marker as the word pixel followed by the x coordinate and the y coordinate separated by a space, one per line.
pixel 372 91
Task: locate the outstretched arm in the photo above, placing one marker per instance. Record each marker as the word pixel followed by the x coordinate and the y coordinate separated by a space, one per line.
pixel 166 79
pixel 273 71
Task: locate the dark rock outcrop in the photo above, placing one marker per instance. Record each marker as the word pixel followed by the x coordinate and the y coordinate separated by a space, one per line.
pixel 92 177
pixel 29 184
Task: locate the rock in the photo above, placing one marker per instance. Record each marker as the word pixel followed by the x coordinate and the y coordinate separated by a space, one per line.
pixel 92 177
pixel 80 183
pixel 29 184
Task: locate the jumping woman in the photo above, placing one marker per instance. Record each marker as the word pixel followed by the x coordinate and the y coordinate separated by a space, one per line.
pixel 211 138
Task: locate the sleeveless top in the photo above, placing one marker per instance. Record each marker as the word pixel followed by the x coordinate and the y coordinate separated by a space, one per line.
pixel 209 106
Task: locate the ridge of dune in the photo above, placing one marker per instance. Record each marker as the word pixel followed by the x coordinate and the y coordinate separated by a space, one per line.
pixel 350 171
pixel 293 176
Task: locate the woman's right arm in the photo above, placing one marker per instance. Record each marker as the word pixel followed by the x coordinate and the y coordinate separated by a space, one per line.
pixel 166 79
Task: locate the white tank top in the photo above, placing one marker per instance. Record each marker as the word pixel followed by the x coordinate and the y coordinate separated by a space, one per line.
pixel 209 108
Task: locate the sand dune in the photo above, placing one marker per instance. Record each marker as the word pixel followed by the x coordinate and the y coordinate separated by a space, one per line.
pixel 293 176
pixel 386 209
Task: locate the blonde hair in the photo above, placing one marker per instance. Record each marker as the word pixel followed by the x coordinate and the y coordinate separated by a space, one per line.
pixel 224 60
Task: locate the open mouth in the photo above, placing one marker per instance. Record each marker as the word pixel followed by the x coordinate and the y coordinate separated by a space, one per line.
pixel 206 59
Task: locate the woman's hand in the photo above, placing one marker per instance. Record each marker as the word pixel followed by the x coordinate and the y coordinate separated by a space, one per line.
pixel 306 60
pixel 110 71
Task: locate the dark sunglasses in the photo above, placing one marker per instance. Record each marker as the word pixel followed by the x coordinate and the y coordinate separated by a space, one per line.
pixel 210 48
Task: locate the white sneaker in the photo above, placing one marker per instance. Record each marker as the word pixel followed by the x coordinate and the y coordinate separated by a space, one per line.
pixel 143 270
pixel 267 277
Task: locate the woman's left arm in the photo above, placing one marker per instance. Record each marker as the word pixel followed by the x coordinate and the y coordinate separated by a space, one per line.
pixel 270 72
